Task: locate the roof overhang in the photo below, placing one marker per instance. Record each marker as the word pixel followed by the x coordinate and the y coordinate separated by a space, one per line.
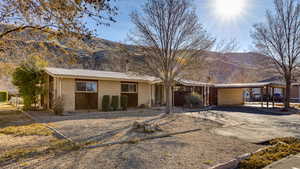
pixel 129 78
pixel 250 85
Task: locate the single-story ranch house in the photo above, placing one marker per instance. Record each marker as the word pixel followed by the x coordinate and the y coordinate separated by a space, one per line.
pixel 83 89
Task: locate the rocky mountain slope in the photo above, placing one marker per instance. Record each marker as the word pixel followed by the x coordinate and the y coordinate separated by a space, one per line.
pixel 101 54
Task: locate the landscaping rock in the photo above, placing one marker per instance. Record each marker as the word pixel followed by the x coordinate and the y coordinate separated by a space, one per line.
pixel 145 127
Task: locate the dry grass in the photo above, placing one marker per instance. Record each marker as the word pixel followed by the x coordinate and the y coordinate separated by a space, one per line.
pixel 282 147
pixel 10 114
pixel 54 146
pixel 13 122
pixel 27 130
pixel 17 154
pixel 58 145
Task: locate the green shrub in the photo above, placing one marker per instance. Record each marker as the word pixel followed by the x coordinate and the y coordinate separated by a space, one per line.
pixel 105 103
pixel 29 80
pixel 124 102
pixel 3 96
pixel 115 102
pixel 194 99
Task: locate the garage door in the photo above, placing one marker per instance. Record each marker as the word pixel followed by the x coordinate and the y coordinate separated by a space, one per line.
pixel 227 97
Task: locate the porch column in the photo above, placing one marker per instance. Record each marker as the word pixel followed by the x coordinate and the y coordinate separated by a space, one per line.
pixel 204 93
pixel 267 93
pixel 273 101
pixel 208 95
pixel 261 97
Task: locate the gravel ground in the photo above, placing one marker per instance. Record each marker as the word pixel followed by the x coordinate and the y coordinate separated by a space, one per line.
pixel 94 125
pixel 200 149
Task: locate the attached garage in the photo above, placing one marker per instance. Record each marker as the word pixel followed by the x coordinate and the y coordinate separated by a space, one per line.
pixel 233 94
pixel 230 97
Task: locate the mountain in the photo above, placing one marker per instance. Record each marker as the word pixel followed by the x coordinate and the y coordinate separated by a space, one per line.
pixel 101 54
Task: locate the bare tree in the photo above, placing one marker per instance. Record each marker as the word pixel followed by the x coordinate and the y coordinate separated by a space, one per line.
pixel 68 16
pixel 225 46
pixel 279 38
pixel 169 39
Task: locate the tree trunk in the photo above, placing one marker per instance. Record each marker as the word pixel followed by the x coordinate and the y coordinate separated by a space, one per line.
pixel 287 94
pixel 169 105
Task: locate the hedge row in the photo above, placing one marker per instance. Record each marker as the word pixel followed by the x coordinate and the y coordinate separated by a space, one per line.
pixel 114 105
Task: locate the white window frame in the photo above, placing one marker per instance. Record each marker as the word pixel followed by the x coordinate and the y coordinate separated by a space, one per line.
pixel 128 83
pixel 86 81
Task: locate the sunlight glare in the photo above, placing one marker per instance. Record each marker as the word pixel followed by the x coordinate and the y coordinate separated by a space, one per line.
pixel 229 9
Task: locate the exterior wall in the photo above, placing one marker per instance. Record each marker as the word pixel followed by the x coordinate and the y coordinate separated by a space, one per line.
pixel 65 87
pixel 68 93
pixel 112 88
pixel 227 97
pixel 144 94
pixel 152 95
pixel 295 91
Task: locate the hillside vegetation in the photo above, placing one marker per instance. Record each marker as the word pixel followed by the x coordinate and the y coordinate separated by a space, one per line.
pixel 101 54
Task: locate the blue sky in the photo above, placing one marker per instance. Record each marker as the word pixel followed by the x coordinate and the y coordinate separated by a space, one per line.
pixel 238 28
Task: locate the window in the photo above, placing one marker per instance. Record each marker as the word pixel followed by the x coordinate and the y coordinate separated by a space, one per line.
pixel 128 88
pixel 86 86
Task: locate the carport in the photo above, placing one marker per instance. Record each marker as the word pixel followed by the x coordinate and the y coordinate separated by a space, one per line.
pixel 186 87
pixel 233 94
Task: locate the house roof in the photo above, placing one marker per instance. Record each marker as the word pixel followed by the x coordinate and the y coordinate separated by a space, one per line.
pixel 130 76
pixel 249 85
pixel 96 74
pixel 192 83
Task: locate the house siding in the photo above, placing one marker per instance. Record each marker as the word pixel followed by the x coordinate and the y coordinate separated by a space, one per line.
pixel 144 94
pixel 228 97
pixel 111 88
pixel 295 91
pixel 68 93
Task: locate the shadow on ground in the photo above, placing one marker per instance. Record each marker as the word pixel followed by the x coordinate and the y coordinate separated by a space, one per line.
pixel 253 110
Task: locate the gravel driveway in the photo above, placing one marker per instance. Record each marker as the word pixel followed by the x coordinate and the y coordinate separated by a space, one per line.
pixel 256 124
pixel 194 150
pixel 94 125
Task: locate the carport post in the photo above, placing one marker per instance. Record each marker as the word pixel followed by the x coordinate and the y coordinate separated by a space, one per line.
pixel 273 101
pixel 261 97
pixel 267 96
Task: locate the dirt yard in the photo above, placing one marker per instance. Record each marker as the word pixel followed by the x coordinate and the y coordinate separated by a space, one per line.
pixel 199 149
pixel 22 138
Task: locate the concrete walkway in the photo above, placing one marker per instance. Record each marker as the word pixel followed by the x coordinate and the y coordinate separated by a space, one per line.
pixel 253 124
pixel 292 162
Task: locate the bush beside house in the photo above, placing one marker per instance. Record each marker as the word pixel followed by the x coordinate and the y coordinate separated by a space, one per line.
pixel 124 102
pixel 105 103
pixel 3 96
pixel 193 100
pixel 115 102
